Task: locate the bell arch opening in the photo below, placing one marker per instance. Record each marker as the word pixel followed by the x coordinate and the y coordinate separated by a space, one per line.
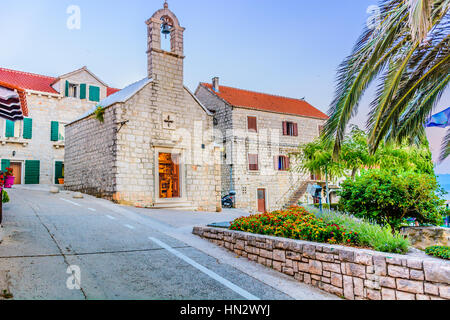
pixel 167 26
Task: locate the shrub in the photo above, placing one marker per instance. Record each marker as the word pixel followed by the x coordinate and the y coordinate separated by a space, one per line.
pixel 439 251
pixel 388 197
pixel 295 223
pixel 370 234
pixel 5 197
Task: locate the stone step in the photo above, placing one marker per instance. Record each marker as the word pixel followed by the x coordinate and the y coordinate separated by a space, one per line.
pixel 185 206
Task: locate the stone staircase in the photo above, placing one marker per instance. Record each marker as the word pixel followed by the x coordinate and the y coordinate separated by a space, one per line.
pixel 295 197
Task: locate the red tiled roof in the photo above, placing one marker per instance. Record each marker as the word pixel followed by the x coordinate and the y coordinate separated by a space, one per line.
pixel 110 91
pixel 27 80
pixel 35 82
pixel 266 102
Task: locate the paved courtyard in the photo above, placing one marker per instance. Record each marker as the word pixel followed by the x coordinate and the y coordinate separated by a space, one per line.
pixel 52 241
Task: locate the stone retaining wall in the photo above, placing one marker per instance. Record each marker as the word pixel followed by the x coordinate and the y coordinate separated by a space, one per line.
pixel 424 237
pixel 355 274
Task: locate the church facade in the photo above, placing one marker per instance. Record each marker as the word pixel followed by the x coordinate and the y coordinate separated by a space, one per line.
pixel 152 143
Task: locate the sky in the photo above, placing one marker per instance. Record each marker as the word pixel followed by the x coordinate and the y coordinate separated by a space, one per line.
pixel 290 48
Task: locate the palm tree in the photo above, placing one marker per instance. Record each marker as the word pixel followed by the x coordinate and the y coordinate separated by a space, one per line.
pixel 316 158
pixel 409 53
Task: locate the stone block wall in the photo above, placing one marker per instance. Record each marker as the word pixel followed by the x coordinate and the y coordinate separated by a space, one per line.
pixel 222 114
pixel 354 274
pixel 90 157
pixel 424 237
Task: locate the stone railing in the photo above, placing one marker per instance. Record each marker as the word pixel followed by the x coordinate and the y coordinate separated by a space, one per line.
pixel 354 274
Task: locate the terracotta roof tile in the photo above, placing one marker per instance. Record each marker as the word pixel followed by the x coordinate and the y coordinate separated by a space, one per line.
pixel 110 91
pixel 35 82
pixel 27 80
pixel 266 102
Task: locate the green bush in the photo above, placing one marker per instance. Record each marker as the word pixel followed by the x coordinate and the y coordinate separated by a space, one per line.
pixel 439 251
pixel 370 234
pixel 5 197
pixel 389 197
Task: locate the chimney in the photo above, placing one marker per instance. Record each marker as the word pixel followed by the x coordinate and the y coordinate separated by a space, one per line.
pixel 215 84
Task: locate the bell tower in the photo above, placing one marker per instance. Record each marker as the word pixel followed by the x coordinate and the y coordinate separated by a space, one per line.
pixel 165 66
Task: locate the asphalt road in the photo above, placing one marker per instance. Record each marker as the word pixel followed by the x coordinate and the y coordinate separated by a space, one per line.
pixel 57 247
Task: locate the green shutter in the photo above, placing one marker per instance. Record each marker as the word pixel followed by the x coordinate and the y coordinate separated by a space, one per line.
pixel 94 93
pixel 27 128
pixel 83 91
pixel 32 171
pixel 58 171
pixel 5 164
pixel 54 135
pixel 9 132
pixel 67 88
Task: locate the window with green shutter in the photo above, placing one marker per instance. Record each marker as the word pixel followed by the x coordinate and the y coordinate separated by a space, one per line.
pixel 94 93
pixel 5 164
pixel 67 88
pixel 32 171
pixel 83 91
pixel 27 128
pixel 54 134
pixel 9 131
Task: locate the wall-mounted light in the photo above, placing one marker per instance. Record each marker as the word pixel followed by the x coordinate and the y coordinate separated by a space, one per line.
pixel 13 153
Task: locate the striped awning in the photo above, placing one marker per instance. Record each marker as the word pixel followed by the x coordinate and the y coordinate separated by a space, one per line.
pixel 12 103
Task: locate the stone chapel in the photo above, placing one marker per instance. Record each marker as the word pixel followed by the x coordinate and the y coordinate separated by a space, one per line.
pixel 152 143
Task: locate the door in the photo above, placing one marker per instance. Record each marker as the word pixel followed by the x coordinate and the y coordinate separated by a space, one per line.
pixel 17 172
pixel 262 200
pixel 59 171
pixel 169 176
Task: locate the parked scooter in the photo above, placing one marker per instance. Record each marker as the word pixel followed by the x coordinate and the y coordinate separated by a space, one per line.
pixel 228 200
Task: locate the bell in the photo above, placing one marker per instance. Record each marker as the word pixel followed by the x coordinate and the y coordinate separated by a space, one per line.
pixel 165 29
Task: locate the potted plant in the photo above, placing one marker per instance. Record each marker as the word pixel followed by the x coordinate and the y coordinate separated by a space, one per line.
pixel 9 179
pixel 61 180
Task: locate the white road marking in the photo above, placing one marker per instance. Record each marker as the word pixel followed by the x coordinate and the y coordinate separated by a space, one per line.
pixel 111 217
pixel 247 295
pixel 71 202
pixel 93 210
pixel 129 227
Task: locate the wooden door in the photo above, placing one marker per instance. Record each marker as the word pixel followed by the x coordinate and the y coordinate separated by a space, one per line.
pixel 262 200
pixel 17 172
pixel 169 176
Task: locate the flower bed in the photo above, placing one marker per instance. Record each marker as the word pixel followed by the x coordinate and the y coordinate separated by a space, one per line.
pixel 300 224
pixel 439 251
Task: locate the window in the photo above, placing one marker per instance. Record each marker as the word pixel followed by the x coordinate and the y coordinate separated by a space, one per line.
pixel 73 90
pixel 57 131
pixel 94 93
pixel 290 129
pixel 13 129
pixel 252 124
pixel 253 162
pixel 282 163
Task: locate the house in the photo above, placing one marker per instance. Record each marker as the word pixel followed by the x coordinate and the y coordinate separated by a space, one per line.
pixel 33 146
pixel 154 146
pixel 260 132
